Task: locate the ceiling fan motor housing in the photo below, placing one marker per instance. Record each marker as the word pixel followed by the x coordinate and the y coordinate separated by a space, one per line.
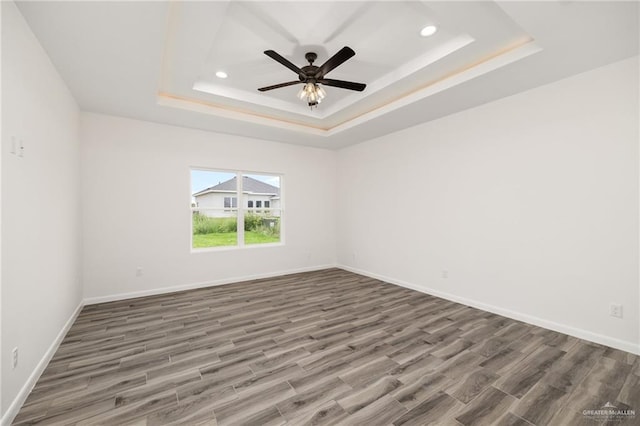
pixel 309 70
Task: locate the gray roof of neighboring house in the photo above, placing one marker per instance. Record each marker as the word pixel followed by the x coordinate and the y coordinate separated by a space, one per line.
pixel 249 184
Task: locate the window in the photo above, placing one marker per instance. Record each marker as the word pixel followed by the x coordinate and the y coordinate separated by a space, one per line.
pixel 230 202
pixel 216 219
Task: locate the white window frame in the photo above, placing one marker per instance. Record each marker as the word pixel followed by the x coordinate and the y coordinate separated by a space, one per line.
pixel 241 210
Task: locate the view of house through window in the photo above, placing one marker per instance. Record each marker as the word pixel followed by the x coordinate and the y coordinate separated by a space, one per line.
pixel 234 208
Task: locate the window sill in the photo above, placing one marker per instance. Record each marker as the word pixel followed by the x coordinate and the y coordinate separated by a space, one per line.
pixel 233 248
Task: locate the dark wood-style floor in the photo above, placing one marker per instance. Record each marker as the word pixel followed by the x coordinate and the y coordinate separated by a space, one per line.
pixel 327 347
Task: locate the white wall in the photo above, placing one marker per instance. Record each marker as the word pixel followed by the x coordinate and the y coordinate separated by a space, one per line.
pixel 530 203
pixel 40 206
pixel 136 206
pixel 1 157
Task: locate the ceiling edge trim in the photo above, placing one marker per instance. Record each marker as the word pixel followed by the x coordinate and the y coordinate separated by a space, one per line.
pixel 204 107
pixel 509 54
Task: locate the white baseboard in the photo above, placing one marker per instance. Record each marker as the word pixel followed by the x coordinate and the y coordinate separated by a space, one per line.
pixel 164 290
pixel 22 395
pixel 540 322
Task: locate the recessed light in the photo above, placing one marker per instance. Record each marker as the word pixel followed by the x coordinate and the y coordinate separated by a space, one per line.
pixel 221 74
pixel 429 30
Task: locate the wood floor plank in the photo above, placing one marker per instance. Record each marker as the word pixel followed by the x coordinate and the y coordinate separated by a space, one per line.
pixel 360 398
pixel 128 413
pixel 195 406
pixel 368 373
pixel 318 377
pixel 510 419
pixel 330 413
pixel 78 413
pixel 540 404
pixel 151 388
pixel 245 407
pixel 472 385
pixel 266 378
pixel 430 411
pixel 321 348
pixel 630 392
pixel 413 394
pixel 381 412
pixel 487 408
pixel 300 404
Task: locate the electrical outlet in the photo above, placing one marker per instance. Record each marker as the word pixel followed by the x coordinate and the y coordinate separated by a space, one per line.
pixel 14 358
pixel 615 310
pixel 445 274
pixel 138 271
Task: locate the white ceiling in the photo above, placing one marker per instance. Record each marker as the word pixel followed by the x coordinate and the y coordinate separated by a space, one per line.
pixel 156 61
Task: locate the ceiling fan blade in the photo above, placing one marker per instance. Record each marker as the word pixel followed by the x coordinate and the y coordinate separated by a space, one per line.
pixel 334 61
pixel 278 58
pixel 343 84
pixel 277 86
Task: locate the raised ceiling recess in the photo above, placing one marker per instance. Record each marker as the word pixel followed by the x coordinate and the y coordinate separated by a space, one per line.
pixel 406 51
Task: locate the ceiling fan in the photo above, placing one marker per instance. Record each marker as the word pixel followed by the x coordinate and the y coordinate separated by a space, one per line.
pixel 312 76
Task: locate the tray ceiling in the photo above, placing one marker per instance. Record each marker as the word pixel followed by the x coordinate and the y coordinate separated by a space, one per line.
pixel 158 60
pixel 392 58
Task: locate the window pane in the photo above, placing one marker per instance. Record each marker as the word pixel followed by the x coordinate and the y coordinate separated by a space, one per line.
pixel 214 217
pixel 262 226
pixel 215 228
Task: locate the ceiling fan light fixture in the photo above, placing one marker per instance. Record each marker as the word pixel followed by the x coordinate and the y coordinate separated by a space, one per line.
pixel 321 92
pixel 312 94
pixel 305 91
pixel 429 30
